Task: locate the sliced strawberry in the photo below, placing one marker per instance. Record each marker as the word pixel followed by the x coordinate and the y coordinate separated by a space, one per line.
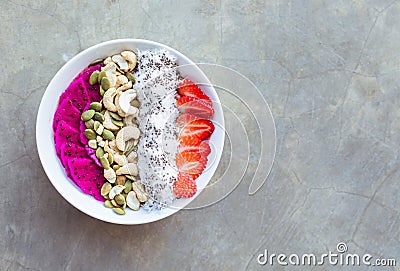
pixel 188 88
pixel 190 162
pixel 189 144
pixel 182 175
pixel 184 119
pixel 185 188
pixel 194 144
pixel 194 106
pixel 200 128
pixel 204 149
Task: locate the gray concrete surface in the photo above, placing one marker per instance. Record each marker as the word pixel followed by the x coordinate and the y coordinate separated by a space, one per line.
pixel 330 72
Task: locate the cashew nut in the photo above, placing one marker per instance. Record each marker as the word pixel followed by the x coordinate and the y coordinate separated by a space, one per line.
pixel 120 159
pixel 125 134
pixel 122 80
pixel 132 201
pixel 132 157
pixel 125 86
pixel 113 79
pixel 107 149
pixel 110 175
pixel 131 58
pixel 119 110
pixel 130 168
pixel 107 60
pixel 116 190
pixel 109 68
pixel 108 123
pixel 121 62
pixel 113 145
pixel 141 195
pixel 125 103
pixel 108 99
pixel 130 120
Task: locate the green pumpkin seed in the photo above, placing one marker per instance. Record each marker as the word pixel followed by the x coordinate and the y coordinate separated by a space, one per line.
pixel 97 61
pixel 130 177
pixel 116 167
pixel 108 204
pixel 104 162
pixel 119 211
pixel 90 134
pixel 120 199
pixel 105 83
pixel 135 103
pixel 98 116
pixel 96 106
pixel 110 158
pixel 128 147
pixel 130 77
pixel 99 152
pixel 105 189
pixel 108 135
pixel 101 75
pixel 93 77
pixel 87 115
pixel 117 122
pixel 96 125
pixel 89 124
pixel 102 91
pixel 128 186
pixel 114 115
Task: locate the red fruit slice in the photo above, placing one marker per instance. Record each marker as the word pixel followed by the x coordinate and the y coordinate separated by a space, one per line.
pixel 87 175
pixel 76 94
pixel 200 128
pixel 185 188
pixel 194 106
pixel 184 119
pixel 93 91
pixel 190 162
pixel 194 144
pixel 182 175
pixel 204 149
pixel 71 151
pixel 65 134
pixel 67 113
pixel 189 144
pixel 188 88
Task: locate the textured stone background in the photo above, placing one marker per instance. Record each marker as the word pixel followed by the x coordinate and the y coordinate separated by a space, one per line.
pixel 330 72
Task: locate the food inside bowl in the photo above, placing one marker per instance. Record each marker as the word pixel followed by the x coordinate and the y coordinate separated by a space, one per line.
pixel 132 132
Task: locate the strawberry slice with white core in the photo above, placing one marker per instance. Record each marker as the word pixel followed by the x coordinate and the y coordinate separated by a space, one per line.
pixel 200 129
pixel 190 162
pixel 184 119
pixel 188 88
pixel 195 106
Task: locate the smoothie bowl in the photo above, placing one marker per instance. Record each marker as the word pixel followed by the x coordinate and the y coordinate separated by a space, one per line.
pixel 130 131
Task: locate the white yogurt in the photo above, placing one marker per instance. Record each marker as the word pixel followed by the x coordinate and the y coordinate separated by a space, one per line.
pixel 156 81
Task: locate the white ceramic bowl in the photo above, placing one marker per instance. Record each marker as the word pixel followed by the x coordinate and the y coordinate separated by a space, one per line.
pixel 45 142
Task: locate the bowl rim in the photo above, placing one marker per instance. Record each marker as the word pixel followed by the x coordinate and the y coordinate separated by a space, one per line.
pixel 42 114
